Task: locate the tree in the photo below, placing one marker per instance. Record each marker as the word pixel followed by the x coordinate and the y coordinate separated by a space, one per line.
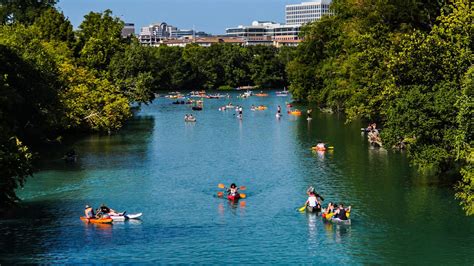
pixel 99 38
pixel 52 25
pixel 23 11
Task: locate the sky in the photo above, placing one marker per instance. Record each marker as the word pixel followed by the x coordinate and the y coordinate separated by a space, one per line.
pixel 212 16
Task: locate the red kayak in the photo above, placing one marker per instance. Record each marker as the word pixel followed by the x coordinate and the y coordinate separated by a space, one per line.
pixel 233 197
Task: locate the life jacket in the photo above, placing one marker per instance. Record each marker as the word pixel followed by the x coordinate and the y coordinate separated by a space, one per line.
pixel 232 191
pixel 342 214
pixel 90 213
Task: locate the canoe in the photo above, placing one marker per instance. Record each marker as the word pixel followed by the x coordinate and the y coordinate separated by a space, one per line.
pixel 97 220
pixel 337 220
pixel 313 210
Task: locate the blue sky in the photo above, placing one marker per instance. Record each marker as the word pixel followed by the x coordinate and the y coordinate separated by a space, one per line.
pixel 212 16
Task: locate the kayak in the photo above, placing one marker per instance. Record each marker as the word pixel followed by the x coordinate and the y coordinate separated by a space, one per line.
pixel 190 119
pixel 261 94
pixel 233 197
pixel 316 148
pixel 97 220
pixel 312 210
pixel 134 216
pixel 337 220
pixel 294 112
pixel 121 218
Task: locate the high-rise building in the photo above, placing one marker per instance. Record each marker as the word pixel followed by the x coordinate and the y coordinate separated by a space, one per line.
pixel 307 11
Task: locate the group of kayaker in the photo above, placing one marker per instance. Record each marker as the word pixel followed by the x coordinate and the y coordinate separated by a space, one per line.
pixel 333 211
pixel 102 212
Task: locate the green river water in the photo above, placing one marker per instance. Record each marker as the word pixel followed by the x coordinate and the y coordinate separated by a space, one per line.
pixel 169 170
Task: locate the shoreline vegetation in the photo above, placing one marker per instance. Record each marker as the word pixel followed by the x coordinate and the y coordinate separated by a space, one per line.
pixel 407 66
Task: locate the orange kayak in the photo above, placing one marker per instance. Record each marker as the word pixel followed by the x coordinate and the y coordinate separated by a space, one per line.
pixel 97 221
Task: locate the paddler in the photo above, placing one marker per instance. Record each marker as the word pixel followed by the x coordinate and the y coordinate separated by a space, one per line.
pixel 313 202
pixel 342 212
pixel 89 212
pixel 233 189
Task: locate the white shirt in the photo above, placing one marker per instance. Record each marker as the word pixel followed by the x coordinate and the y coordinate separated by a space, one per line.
pixel 312 201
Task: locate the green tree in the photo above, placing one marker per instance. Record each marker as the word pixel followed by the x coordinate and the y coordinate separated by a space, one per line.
pixel 52 25
pixel 23 11
pixel 98 39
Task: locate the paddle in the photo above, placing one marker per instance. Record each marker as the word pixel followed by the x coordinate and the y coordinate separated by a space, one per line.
pixel 302 209
pixel 223 186
pixel 242 195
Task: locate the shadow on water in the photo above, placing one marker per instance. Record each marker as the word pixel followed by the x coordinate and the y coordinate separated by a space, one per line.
pixel 136 133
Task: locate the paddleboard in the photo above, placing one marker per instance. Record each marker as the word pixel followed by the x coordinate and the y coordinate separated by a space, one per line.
pixel 134 216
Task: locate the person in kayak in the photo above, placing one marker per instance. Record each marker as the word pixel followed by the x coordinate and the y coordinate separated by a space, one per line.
pixel 341 212
pixel 89 212
pixel 311 190
pixel 232 191
pixel 313 202
pixel 329 211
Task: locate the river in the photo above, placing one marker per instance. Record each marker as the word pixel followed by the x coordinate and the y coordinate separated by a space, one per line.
pixel 169 170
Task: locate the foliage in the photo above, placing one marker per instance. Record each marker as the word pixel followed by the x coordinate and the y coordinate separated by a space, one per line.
pixel 403 63
pixel 52 25
pixel 23 11
pixel 225 88
pixel 98 39
pixel 15 167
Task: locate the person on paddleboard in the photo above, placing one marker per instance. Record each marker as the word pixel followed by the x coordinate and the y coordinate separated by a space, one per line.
pixel 106 210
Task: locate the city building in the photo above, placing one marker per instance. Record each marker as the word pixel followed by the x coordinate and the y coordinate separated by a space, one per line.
pixel 156 33
pixel 128 30
pixel 264 32
pixel 306 12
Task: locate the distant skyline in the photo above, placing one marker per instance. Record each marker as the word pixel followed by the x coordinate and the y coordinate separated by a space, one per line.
pixel 212 16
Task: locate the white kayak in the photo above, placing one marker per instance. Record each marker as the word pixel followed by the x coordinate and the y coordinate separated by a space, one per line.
pixel 123 217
